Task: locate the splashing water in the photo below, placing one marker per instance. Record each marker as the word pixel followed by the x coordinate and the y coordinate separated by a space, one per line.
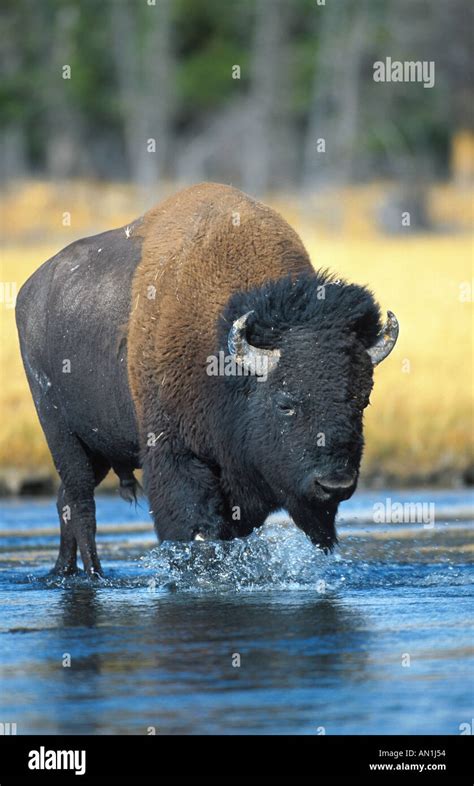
pixel 276 556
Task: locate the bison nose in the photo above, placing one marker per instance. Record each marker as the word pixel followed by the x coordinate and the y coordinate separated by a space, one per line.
pixel 337 481
pixel 337 485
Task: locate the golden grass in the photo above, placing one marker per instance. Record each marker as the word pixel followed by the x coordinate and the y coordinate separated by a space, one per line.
pixel 420 420
pixel 21 442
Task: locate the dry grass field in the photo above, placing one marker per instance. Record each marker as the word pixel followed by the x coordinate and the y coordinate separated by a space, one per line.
pixel 419 424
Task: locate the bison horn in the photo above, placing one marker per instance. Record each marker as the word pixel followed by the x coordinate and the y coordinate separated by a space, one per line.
pixel 385 341
pixel 255 360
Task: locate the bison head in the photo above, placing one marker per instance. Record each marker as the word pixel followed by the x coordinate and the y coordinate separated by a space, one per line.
pixel 308 348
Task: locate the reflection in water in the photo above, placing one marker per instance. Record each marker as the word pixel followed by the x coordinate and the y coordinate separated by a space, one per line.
pixel 81 607
pixel 154 647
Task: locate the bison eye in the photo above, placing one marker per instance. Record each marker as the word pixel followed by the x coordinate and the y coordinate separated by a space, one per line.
pixel 285 406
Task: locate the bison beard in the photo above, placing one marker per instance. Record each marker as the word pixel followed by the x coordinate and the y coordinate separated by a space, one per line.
pixel 116 332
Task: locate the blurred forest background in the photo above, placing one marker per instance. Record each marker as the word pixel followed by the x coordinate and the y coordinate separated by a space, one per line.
pixel 108 105
pixel 163 69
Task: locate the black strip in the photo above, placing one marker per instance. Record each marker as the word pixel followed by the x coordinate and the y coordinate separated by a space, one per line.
pixel 215 761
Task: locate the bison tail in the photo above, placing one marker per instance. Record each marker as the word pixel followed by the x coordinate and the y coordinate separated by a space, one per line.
pixel 130 488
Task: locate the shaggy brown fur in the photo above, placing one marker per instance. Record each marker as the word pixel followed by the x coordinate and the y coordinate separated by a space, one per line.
pixel 199 246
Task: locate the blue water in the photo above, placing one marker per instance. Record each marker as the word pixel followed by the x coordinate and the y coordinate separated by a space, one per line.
pixel 262 635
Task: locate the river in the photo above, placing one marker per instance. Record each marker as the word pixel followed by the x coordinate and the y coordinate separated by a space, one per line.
pixel 262 636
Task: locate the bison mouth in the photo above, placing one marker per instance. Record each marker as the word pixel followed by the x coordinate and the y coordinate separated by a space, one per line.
pixel 324 541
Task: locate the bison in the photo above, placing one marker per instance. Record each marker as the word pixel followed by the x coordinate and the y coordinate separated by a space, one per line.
pixel 199 344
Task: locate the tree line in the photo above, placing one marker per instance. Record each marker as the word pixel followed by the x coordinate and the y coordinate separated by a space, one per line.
pixel 261 93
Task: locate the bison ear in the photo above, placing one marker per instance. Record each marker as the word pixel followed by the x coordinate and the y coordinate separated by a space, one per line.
pixel 257 361
pixel 385 341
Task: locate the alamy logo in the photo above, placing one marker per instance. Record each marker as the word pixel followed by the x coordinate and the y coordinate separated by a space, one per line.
pixel 223 365
pixel 406 71
pixel 8 293
pixel 390 512
pixel 43 759
pixel 7 728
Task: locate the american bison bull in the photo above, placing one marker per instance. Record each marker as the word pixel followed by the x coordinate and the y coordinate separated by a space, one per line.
pixel 199 344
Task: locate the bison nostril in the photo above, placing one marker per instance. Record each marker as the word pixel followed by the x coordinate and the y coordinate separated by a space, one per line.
pixel 336 482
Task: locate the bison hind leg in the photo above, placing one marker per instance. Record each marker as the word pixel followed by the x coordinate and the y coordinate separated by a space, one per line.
pixel 76 509
pixel 66 563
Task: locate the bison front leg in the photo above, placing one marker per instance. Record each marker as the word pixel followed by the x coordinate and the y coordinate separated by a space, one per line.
pixel 184 495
